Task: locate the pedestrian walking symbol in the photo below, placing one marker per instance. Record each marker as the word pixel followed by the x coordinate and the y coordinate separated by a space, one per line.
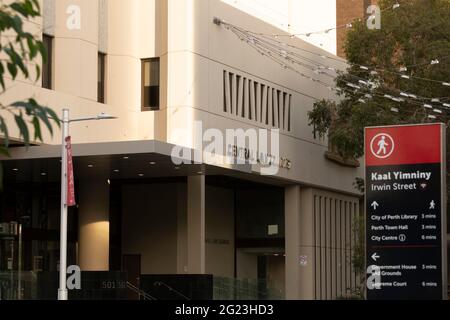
pixel 382 146
pixel 432 205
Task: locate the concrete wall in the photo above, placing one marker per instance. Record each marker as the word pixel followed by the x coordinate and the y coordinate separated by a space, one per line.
pixel 198 56
pixel 149 226
pixel 154 225
pixel 220 232
pixel 320 242
pixel 75 66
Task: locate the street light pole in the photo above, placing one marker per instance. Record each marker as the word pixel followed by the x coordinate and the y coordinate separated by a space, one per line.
pixel 62 292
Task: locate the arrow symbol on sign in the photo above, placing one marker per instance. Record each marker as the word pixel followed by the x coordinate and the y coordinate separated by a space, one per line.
pixel 375 257
pixel 375 205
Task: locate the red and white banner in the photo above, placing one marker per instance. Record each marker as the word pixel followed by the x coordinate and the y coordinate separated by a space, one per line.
pixel 70 177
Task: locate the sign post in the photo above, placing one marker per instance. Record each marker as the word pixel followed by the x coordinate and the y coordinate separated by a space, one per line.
pixel 406 229
pixel 68 193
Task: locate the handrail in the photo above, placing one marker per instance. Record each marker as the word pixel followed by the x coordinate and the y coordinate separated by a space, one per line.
pixel 160 283
pixel 140 292
pixel 241 291
pixel 241 287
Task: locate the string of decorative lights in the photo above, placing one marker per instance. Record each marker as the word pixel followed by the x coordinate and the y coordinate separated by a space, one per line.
pixel 347 25
pixel 374 70
pixel 285 52
pixel 319 68
pixel 370 95
pixel 361 100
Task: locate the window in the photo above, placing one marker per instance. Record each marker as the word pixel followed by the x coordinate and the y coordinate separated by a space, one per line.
pixel 101 77
pixel 47 66
pixel 150 84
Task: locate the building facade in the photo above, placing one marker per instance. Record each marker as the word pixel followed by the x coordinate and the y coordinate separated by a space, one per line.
pixel 169 75
pixel 346 12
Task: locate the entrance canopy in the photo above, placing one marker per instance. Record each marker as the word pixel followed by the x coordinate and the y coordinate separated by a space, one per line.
pixel 116 160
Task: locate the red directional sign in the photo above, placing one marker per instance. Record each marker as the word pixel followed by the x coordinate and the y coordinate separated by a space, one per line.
pixel 406 212
pixel 419 144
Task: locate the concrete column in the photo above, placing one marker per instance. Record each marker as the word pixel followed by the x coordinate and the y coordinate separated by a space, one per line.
pixel 299 243
pixel 307 245
pixel 292 222
pixel 93 250
pixel 196 224
pixel 78 44
pixel 182 229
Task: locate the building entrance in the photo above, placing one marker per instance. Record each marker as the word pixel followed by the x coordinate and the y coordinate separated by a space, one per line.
pixel 11 261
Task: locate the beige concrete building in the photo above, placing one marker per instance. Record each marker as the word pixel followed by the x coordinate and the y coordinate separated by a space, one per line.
pixel 159 66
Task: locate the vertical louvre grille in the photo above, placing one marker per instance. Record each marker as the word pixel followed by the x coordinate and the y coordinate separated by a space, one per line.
pixel 334 242
pixel 252 100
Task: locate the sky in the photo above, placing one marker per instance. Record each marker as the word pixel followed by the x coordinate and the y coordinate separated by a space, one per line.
pixel 296 16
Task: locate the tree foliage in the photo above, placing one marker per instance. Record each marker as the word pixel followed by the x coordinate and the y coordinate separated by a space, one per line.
pixel 412 35
pixel 19 52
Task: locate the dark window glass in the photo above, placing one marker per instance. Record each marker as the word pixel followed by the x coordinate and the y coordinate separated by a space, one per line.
pixel 101 77
pixel 150 84
pixel 47 66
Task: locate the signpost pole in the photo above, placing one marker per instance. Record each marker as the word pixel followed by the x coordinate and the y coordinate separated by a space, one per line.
pixel 444 212
pixel 62 292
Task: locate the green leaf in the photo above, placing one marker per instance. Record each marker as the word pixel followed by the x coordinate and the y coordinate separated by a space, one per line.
pixel 33 50
pixel 43 51
pixel 12 68
pixel 53 116
pixel 4 130
pixel 17 25
pixel 23 128
pixel 16 59
pixel 37 129
pixel 26 105
pixel 38 72
pixel 42 115
pixel 20 8
pixel 2 71
pixel 5 152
